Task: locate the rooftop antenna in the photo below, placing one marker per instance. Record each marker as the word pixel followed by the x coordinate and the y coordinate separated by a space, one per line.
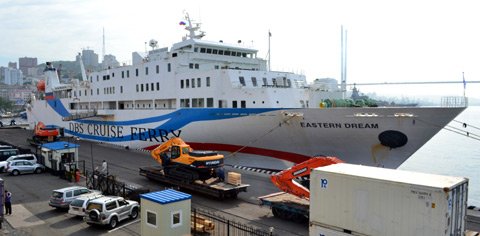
pixel 268 54
pixel 103 48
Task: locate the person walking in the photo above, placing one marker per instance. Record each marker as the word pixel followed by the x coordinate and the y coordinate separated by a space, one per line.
pixel 8 202
pixel 104 169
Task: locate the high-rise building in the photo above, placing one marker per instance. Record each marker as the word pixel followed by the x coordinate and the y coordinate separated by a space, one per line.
pixel 110 61
pixel 26 62
pixel 12 76
pixel 12 65
pixel 90 59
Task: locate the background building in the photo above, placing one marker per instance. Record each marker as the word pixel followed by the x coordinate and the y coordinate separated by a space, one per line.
pixel 90 59
pixel 11 76
pixel 27 62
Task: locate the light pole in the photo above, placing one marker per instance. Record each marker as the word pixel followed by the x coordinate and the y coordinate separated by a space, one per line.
pixel 91 154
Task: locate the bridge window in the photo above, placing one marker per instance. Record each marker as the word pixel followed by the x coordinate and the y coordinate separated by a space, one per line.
pixel 136 72
pixel 193 83
pixel 254 81
pixel 181 84
pixel 158 86
pixel 208 82
pixel 199 83
pixel 242 80
pixel 209 102
pixel 265 83
pixel 157 68
pixel 202 50
pixel 146 70
pixel 128 74
pixel 187 83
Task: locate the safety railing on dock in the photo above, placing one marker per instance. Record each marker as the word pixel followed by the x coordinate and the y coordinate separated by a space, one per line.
pixel 454 101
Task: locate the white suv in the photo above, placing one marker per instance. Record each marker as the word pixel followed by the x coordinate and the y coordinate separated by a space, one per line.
pixel 110 210
pixel 28 157
pixel 79 205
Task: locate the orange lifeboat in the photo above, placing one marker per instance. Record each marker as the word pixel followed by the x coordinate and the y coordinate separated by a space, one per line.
pixel 41 86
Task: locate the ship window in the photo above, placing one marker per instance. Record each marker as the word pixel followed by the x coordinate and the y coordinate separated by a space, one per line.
pixel 141 87
pixel 97 78
pixel 274 82
pixel 85 92
pixel 181 84
pixel 234 104
pixel 239 54
pixel 243 104
pixel 197 66
pixel 264 81
pixel 202 50
pixel 123 74
pixel 234 53
pixel 193 83
pixel 254 82
pixel 121 89
pixel 242 80
pixel 169 67
pixel 174 54
pixel 128 74
pixel 187 83
pixel 209 102
pixel 146 70
pixel 146 87
pixel 216 67
pixel 190 65
pixel 244 54
pixel 227 53
pixel 113 75
pixel 151 86
pixel 91 91
pixel 209 50
pixel 74 93
pixel 158 86
pixel 208 82
pixel 137 87
pixel 214 51
pixel 157 68
pixel 98 91
pixel 136 72
pixel 199 83
pixel 220 52
pixel 195 49
pixel 289 83
pixel 79 93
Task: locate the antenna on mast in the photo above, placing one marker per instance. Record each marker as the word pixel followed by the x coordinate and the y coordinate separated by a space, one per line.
pixel 343 61
pixel 268 54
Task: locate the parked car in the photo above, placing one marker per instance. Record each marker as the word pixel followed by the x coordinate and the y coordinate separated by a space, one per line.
pixel 61 198
pixel 79 205
pixel 110 210
pixel 27 157
pixel 23 167
pixel 6 153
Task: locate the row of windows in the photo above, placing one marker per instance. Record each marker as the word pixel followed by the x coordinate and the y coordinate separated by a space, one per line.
pixel 276 82
pixel 223 52
pixel 126 73
pixel 187 82
pixel 148 87
pixel 196 102
pixel 107 90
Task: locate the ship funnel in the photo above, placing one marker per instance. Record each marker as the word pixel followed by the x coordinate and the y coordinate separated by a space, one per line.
pixel 51 77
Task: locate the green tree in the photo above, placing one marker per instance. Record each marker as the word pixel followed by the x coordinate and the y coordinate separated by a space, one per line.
pixel 5 104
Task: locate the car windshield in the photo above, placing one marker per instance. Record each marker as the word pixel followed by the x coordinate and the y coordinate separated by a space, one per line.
pixel 56 194
pixel 93 205
pixel 77 203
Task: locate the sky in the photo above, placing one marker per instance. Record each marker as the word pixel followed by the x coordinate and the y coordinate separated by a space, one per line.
pixel 388 41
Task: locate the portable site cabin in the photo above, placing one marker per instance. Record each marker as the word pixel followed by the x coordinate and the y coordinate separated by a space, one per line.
pixel 60 156
pixel 165 212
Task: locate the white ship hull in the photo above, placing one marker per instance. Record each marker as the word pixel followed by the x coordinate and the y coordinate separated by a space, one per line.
pixel 351 134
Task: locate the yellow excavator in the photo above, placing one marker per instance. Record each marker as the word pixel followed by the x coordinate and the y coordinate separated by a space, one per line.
pixel 180 161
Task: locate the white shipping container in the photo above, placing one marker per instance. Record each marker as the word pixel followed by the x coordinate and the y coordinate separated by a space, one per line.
pixel 317 230
pixel 378 201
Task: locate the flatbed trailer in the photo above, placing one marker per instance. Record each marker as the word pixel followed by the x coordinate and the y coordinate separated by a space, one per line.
pixel 221 190
pixel 287 206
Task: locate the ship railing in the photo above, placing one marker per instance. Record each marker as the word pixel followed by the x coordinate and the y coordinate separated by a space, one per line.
pixel 454 101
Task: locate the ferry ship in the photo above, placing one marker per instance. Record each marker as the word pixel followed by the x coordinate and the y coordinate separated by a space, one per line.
pixel 219 96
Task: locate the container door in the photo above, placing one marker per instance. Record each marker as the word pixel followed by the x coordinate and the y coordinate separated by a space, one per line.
pixel 457 209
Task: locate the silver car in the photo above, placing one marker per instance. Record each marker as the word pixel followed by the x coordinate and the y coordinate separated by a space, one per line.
pixel 61 198
pixel 23 167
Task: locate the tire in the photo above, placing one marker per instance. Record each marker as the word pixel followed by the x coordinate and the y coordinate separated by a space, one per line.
pixel 38 171
pixel 94 215
pixel 2 169
pixel 134 214
pixel 113 222
pixel 15 172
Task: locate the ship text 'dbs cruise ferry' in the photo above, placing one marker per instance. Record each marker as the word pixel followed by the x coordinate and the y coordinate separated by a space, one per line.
pixel 219 96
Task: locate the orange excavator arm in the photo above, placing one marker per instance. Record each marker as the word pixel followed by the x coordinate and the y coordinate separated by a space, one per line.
pixel 157 152
pixel 284 180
